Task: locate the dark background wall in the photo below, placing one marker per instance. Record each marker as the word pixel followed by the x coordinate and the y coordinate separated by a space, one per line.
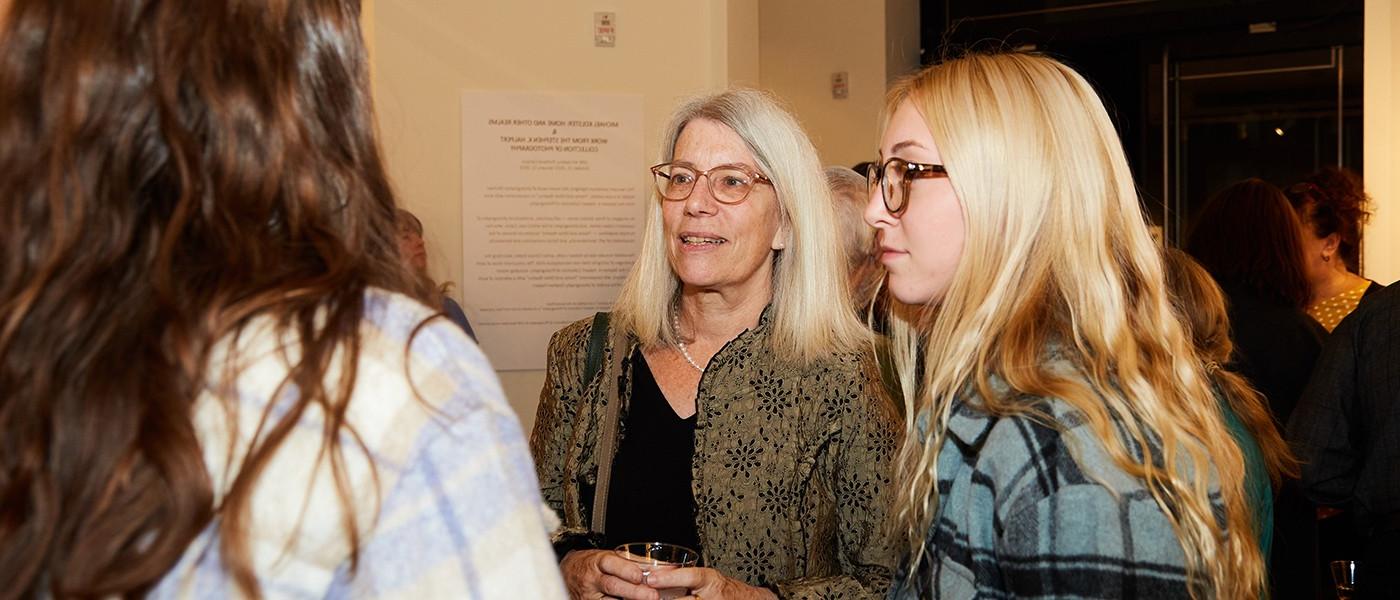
pixel 1204 92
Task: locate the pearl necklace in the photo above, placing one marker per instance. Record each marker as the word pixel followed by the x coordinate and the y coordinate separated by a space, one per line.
pixel 676 326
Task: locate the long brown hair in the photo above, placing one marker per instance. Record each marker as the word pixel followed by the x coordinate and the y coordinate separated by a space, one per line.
pixel 1247 235
pixel 1202 306
pixel 169 170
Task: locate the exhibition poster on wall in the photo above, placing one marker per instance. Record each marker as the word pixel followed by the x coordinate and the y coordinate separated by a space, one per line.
pixel 552 213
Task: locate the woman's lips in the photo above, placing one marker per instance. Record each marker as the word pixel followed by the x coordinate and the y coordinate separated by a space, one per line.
pixel 888 254
pixel 700 241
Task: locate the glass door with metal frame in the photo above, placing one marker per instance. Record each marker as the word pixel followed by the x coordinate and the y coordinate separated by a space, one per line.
pixel 1221 119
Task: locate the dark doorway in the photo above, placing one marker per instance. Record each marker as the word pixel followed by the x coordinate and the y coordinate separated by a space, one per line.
pixel 1204 92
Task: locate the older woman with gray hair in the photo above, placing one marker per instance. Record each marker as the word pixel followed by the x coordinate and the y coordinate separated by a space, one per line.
pixel 724 404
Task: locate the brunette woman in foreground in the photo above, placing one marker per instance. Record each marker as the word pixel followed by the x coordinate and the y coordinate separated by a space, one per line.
pixel 216 378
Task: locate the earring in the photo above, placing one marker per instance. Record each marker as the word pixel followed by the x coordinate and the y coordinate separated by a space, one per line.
pixel 1326 258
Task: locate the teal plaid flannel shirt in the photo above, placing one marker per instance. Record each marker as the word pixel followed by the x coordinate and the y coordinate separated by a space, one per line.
pixel 1021 516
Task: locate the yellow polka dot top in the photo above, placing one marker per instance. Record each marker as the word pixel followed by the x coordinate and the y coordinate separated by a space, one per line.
pixel 1330 311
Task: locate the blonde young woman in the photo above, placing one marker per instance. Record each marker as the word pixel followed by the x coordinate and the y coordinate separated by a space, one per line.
pixel 746 428
pixel 1063 439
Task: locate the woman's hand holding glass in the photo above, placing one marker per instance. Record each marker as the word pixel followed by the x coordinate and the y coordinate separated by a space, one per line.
pixel 707 584
pixel 593 574
pixel 654 557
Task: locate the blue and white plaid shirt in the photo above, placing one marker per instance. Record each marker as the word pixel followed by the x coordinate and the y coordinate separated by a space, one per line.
pixel 445 499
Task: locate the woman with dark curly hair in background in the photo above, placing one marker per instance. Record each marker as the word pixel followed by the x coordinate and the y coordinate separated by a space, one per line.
pixel 1332 206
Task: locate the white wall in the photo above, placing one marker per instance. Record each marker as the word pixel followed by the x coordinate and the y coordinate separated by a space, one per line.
pixel 802 43
pixel 425 52
pixel 1381 145
pixel 744 54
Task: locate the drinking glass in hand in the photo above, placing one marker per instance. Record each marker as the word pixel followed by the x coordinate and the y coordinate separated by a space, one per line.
pixel 1344 578
pixel 654 556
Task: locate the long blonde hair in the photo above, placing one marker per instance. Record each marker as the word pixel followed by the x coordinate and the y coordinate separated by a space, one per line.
pixel 812 315
pixel 1057 254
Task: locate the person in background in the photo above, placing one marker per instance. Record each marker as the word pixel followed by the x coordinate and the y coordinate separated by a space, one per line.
pixel 848 190
pixel 1332 207
pixel 1268 461
pixel 413 251
pixel 1347 433
pixel 216 377
pixel 1250 241
pixel 1053 374
pixel 862 167
pixel 732 373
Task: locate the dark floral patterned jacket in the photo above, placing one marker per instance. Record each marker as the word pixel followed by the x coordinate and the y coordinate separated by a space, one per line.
pixel 791 465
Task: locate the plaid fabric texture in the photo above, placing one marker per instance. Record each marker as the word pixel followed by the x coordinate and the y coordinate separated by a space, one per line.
pixel 445 497
pixel 1346 429
pixel 1031 511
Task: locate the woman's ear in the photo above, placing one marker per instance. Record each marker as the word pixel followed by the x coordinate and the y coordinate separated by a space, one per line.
pixel 782 236
pixel 1330 243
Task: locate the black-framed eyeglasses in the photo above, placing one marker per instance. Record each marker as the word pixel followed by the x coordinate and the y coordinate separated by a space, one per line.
pixel 893 177
pixel 729 184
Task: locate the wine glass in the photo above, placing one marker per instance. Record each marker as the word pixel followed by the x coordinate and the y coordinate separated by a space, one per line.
pixel 654 556
pixel 1344 578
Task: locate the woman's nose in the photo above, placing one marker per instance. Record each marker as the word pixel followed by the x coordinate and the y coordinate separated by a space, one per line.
pixel 876 215
pixel 700 200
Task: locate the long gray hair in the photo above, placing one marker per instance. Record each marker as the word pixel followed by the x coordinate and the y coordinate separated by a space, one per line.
pixel 812 314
